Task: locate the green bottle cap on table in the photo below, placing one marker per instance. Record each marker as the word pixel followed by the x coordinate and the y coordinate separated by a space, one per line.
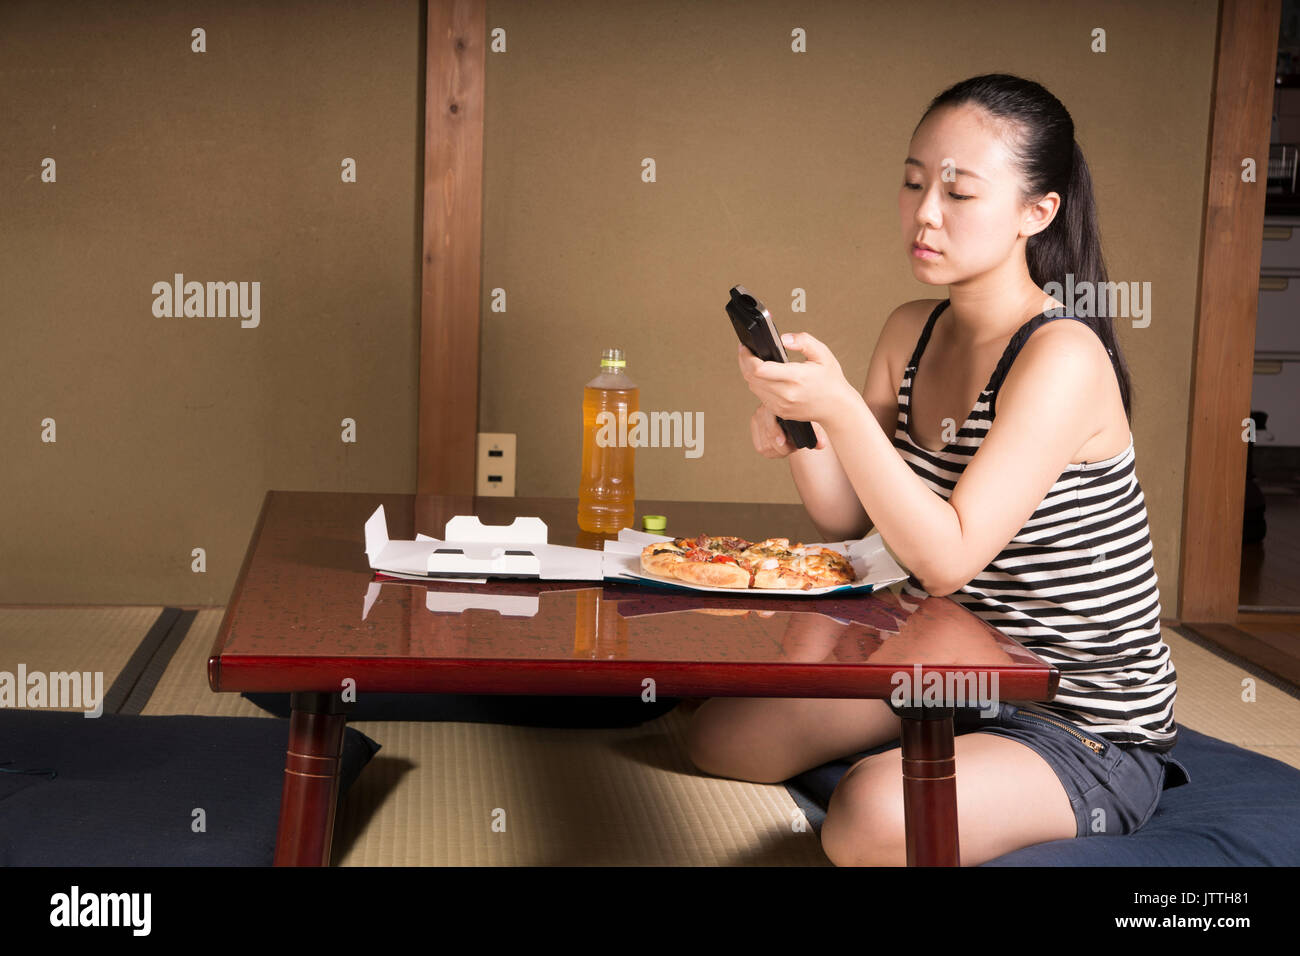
pixel 654 522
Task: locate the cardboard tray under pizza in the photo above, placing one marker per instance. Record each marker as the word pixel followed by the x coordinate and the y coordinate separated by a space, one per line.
pixel 874 566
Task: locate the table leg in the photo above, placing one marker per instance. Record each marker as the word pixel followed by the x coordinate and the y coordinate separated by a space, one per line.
pixel 929 786
pixel 311 780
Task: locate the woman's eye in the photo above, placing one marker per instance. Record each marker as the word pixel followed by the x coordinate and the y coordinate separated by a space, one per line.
pixel 907 185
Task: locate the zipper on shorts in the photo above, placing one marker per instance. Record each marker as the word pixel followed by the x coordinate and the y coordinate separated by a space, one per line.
pixel 1093 745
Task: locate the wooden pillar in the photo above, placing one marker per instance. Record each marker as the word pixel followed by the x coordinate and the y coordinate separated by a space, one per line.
pixel 1227 298
pixel 452 249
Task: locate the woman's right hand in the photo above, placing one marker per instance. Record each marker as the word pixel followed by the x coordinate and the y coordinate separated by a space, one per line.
pixel 769 437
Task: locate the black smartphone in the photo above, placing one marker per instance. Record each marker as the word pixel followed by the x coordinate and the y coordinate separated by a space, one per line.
pixel 757 332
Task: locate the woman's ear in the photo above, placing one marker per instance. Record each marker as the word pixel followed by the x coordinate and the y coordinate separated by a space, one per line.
pixel 1038 216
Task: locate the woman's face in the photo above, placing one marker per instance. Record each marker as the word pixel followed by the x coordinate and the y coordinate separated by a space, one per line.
pixel 972 213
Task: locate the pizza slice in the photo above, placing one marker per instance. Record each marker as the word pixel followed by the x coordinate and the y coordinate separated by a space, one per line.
pixel 779 564
pixel 709 562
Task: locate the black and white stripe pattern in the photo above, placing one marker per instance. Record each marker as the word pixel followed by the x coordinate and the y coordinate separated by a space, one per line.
pixel 1076 585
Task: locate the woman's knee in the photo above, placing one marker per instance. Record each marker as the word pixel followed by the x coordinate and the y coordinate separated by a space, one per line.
pixel 720 741
pixel 865 823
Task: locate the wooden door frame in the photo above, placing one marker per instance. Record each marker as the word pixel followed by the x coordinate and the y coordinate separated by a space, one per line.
pixel 452 247
pixel 1226 304
pixel 1227 292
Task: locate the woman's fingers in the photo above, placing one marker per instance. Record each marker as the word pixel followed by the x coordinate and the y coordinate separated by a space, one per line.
pixel 775 436
pixel 769 439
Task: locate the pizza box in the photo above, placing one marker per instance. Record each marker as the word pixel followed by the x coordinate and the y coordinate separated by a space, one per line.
pixel 874 565
pixel 471 549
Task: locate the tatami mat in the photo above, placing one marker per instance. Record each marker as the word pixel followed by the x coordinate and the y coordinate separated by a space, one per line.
pixel 619 796
pixel 73 639
pixel 463 794
pixel 1214 698
pixel 183 687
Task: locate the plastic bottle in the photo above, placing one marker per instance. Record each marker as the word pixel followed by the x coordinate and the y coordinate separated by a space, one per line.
pixel 607 491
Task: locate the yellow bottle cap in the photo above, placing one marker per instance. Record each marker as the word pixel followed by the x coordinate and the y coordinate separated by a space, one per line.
pixel 654 522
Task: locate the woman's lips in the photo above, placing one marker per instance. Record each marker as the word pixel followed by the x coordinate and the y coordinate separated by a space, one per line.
pixel 921 252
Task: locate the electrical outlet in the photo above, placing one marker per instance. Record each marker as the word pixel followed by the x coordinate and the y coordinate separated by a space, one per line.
pixel 495 473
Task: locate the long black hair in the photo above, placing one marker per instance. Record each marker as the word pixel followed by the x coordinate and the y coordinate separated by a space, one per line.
pixel 1043 147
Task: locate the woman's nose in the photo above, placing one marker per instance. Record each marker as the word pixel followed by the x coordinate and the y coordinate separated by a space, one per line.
pixel 927 210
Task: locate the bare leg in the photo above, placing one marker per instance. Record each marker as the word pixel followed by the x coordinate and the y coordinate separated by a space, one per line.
pixel 1008 797
pixel 770 739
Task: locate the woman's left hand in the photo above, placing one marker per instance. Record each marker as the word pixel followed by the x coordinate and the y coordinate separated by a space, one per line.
pixel 812 390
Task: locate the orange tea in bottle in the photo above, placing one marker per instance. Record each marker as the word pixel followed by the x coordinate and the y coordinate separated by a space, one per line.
pixel 607 490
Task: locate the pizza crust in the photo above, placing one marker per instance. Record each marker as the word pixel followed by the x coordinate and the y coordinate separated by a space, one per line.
pixel 722 574
pixel 657 559
pixel 782 577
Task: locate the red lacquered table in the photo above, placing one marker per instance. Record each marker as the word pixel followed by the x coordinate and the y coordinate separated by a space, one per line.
pixel 307 614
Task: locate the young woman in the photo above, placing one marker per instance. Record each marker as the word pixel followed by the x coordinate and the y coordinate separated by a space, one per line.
pixel 991 448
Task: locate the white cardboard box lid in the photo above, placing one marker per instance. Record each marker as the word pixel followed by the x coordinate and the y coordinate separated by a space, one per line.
pixel 473 548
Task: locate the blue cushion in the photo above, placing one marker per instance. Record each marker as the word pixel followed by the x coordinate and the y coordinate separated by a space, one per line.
pixel 124 788
pixel 1240 809
pixel 522 711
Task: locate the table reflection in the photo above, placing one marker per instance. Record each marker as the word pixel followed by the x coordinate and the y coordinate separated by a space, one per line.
pixel 446 618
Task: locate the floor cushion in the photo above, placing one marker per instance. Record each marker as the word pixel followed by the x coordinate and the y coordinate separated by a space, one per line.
pixel 122 790
pixel 1241 808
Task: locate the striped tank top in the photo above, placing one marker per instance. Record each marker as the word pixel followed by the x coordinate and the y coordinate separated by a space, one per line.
pixel 1076 585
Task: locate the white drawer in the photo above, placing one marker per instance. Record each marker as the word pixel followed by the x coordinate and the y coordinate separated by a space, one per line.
pixel 1279 395
pixel 1277 321
pixel 1281 249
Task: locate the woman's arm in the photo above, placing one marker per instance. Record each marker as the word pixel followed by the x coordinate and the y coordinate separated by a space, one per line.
pixel 827 494
pixel 826 491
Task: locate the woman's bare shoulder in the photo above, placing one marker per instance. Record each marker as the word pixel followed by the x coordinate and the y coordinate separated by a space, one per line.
pixel 903 328
pixel 911 316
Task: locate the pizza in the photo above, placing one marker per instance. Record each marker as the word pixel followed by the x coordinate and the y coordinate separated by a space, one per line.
pixel 737 563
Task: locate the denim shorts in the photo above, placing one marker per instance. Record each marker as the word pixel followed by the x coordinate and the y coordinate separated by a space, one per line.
pixel 1113 788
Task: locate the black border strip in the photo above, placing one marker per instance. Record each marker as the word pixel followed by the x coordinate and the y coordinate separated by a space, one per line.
pixel 157 664
pixel 136 683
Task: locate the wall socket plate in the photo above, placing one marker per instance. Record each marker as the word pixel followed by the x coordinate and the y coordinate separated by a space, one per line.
pixel 495 472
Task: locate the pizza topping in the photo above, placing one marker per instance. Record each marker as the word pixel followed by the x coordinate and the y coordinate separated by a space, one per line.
pixel 730 544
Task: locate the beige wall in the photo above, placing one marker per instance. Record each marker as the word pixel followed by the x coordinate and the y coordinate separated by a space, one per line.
pixel 775 170
pixel 222 166
pixel 780 171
